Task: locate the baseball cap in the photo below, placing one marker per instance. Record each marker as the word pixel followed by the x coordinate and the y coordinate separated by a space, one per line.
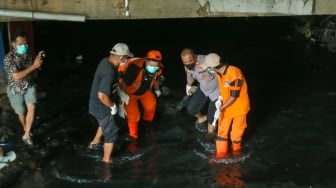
pixel 121 49
pixel 211 60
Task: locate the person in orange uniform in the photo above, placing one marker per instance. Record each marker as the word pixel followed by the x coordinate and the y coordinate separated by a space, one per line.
pixel 233 106
pixel 139 78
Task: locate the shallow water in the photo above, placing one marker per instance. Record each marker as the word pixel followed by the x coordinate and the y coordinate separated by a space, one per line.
pixel 290 138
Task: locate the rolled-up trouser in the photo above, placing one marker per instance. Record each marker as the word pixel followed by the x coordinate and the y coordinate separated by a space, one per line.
pixel 237 130
pixel 109 128
pixel 196 102
pixel 148 101
pixel 211 112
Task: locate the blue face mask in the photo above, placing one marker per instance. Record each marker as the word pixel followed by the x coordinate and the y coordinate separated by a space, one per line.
pixel 152 69
pixel 22 49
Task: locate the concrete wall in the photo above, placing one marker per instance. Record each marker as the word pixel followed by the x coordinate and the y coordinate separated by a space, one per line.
pixel 148 9
pixel 325 7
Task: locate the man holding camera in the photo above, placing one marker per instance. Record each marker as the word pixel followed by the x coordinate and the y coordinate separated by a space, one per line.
pixel 21 90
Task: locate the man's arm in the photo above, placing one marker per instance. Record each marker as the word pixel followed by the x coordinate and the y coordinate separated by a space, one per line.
pixel 228 102
pixel 105 99
pixel 36 64
pixel 234 93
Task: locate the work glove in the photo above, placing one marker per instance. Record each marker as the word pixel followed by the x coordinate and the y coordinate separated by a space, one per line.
pixel 158 93
pixel 216 115
pixel 188 87
pixel 218 103
pixel 114 109
pixel 123 96
pixel 122 112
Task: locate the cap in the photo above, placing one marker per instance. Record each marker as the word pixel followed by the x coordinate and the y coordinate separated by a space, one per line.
pixel 212 60
pixel 121 49
pixel 154 54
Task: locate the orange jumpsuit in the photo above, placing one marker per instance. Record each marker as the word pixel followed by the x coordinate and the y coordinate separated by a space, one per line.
pixel 232 84
pixel 138 84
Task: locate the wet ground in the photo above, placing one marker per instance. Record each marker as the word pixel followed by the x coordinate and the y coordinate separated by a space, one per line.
pixel 290 138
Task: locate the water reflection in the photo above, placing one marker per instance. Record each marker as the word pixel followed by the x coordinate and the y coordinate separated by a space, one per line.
pixel 227 171
pixel 229 176
pixel 104 172
pixel 152 148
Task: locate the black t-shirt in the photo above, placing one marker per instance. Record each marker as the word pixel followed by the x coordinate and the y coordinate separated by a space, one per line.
pixel 105 81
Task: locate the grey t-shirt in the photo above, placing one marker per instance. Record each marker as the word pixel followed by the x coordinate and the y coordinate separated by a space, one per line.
pixel 105 81
pixel 206 79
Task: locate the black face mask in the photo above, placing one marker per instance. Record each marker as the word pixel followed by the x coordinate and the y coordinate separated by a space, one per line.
pixel 190 66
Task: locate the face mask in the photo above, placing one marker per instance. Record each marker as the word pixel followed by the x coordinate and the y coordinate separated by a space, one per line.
pixel 22 49
pixel 190 66
pixel 212 71
pixel 122 63
pixel 152 69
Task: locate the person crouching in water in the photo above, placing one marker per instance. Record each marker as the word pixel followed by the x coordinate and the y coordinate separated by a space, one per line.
pixel 233 106
pixel 139 78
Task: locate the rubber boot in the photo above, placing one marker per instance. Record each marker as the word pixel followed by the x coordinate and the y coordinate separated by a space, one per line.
pixel 222 148
pixel 133 130
pixel 132 147
pixel 148 116
pixel 236 148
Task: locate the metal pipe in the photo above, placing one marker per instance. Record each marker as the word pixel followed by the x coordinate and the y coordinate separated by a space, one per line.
pixel 42 15
pixel 126 8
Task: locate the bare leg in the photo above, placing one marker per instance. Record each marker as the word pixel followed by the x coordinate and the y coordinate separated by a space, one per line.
pixel 108 148
pixel 98 136
pixel 29 119
pixel 22 119
pixel 211 128
pixel 1 151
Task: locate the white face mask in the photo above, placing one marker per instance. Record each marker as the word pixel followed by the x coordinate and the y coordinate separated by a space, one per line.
pixel 211 71
pixel 122 63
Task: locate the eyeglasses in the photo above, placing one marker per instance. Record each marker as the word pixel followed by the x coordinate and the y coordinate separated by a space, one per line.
pixel 123 58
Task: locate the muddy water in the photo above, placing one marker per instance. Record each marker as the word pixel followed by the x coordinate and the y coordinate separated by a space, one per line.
pixel 290 138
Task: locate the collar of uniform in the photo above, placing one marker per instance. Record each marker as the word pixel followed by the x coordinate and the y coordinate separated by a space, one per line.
pixel 225 68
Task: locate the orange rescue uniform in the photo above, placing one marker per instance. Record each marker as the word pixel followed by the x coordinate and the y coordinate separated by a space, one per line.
pixel 140 90
pixel 232 83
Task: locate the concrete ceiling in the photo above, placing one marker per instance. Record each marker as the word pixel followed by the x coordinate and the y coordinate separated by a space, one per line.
pixel 153 9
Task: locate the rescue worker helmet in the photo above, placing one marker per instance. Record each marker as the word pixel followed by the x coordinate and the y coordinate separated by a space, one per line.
pixel 154 55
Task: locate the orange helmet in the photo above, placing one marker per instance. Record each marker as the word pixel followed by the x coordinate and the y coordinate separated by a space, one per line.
pixel 154 54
